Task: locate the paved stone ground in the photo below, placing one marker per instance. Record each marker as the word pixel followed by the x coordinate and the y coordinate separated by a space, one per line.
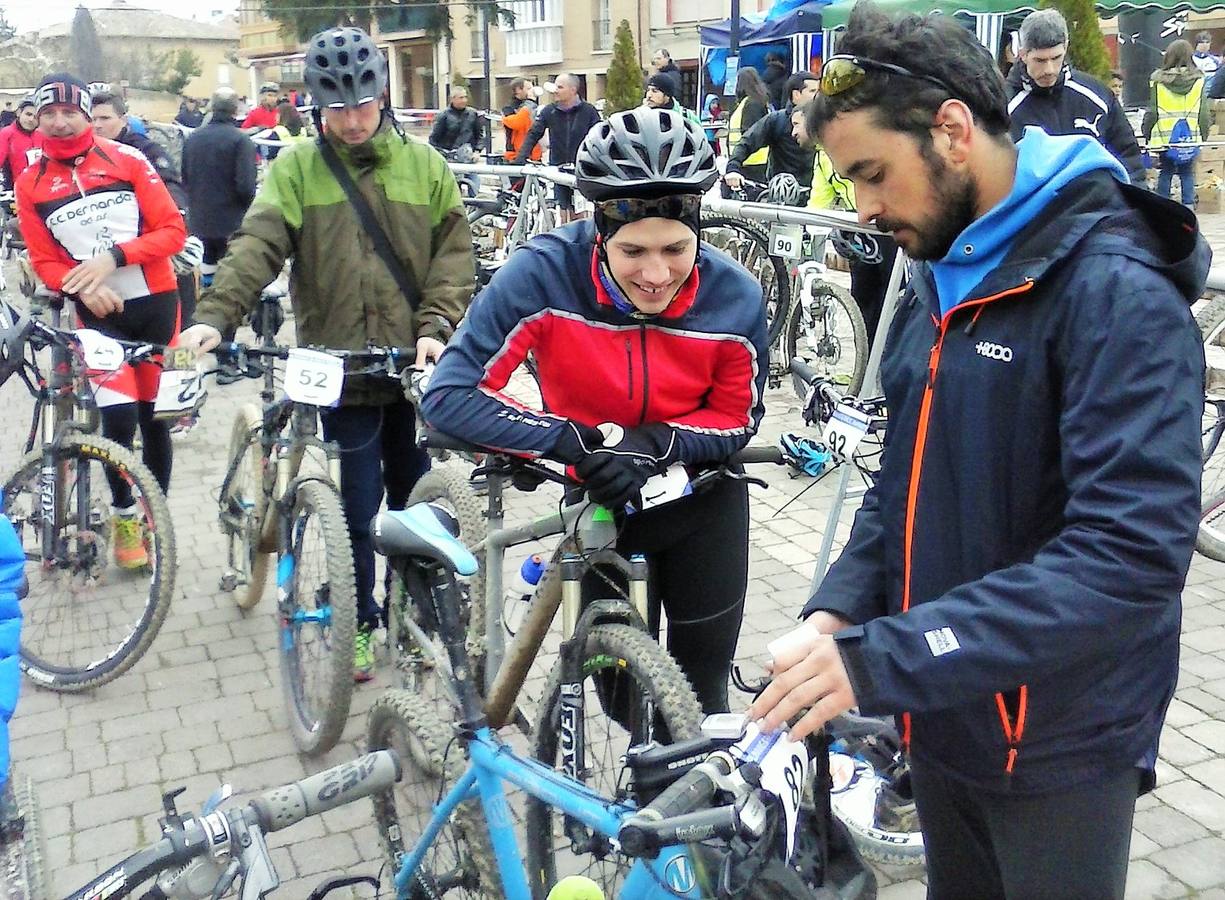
pixel 204 705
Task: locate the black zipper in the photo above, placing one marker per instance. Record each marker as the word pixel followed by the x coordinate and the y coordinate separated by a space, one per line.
pixel 629 366
pixel 642 330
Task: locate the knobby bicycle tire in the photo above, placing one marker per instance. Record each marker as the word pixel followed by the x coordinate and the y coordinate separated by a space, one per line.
pixel 24 858
pixel 245 492
pixel 828 357
pixel 776 295
pixel 449 487
pixel 106 663
pixel 628 654
pixel 407 723
pixel 316 730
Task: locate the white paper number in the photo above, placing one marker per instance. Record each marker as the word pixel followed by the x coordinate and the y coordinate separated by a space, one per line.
pixel 313 377
pixel 786 241
pixel 178 391
pixel 102 354
pixel 845 429
pixel 784 766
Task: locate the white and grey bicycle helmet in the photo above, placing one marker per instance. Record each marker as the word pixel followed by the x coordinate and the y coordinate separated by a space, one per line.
pixel 344 68
pixel 644 153
pixel 784 189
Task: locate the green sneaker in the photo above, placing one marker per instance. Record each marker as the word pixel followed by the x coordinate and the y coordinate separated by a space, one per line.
pixel 363 654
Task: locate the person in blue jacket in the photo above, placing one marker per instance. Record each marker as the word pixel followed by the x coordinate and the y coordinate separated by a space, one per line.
pixel 12 581
pixel 1011 585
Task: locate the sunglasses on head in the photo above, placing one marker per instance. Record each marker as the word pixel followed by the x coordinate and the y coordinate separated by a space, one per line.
pixel 631 209
pixel 841 73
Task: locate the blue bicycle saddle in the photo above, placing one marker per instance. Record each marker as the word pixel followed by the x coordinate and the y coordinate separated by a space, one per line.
pixel 420 531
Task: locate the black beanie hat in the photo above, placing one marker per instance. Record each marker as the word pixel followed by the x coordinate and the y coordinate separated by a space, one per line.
pixel 60 87
pixel 664 82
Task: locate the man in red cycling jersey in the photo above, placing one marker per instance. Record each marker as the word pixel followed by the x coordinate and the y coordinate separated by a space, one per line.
pixel 20 142
pixel 632 322
pixel 100 224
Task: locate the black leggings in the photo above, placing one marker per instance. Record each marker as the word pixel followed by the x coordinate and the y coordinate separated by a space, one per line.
pixel 154 319
pixel 697 551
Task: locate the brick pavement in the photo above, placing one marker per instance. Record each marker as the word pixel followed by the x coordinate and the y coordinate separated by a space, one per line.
pixel 204 705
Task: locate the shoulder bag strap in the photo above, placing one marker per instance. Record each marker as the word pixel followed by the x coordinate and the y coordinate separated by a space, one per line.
pixel 365 215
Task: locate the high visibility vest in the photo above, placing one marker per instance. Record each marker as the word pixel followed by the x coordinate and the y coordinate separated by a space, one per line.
pixel 734 134
pixel 1171 107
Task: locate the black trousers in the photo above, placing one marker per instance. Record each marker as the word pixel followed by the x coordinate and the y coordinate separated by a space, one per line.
pixel 1068 845
pixel 869 281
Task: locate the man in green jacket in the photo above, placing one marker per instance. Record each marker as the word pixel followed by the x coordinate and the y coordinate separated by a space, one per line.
pixel 344 295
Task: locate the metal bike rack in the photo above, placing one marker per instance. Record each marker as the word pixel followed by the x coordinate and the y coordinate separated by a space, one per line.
pixel 846 221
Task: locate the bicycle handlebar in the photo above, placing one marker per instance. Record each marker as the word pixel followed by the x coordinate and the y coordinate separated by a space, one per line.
pixel 676 815
pixel 184 840
pixel 291 803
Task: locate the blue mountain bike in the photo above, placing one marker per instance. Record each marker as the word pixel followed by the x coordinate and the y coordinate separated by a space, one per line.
pixel 769 829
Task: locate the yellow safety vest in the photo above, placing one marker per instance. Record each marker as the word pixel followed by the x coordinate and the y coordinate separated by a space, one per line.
pixel 1171 107
pixel 829 189
pixel 762 156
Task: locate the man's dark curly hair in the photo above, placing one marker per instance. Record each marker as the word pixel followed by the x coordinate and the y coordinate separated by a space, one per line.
pixel 934 45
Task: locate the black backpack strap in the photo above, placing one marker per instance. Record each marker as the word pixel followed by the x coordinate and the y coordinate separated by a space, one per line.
pixel 365 215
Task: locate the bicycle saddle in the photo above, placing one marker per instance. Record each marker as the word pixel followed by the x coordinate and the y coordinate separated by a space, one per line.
pixel 420 531
pixel 493 206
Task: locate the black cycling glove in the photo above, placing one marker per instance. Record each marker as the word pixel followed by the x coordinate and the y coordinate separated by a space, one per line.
pixel 574 442
pixel 614 475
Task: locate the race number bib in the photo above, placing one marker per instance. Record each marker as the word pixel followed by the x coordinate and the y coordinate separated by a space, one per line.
pixel 786 241
pixel 844 430
pixel 101 353
pixel 181 386
pixel 784 765
pixel 314 377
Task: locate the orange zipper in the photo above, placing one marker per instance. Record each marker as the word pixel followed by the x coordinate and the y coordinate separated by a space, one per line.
pixel 916 465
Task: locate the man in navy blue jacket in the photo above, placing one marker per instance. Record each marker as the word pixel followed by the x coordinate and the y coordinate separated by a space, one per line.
pixel 1011 585
pixel 567 121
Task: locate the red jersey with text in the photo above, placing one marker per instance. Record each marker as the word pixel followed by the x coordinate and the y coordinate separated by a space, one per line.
pixel 109 197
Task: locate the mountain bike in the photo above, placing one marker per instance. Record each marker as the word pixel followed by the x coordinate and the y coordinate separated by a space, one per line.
pixel 771 793
pixel 87 620
pixel 268 505
pixel 612 685
pixel 205 855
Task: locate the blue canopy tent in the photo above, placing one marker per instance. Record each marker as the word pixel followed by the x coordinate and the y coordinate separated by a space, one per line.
pixel 790 27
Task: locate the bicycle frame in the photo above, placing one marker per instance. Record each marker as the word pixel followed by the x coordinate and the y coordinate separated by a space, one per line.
pixel 493 764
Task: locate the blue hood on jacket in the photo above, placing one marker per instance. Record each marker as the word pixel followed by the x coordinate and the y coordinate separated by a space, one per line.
pixel 1045 165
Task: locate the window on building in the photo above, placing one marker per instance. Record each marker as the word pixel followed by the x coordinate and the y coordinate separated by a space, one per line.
pixel 476 39
pixel 601 39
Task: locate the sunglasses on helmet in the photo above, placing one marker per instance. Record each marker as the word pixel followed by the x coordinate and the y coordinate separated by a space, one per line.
pixel 631 209
pixel 841 73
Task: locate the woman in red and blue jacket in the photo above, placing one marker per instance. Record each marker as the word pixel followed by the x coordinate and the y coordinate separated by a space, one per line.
pixel 631 322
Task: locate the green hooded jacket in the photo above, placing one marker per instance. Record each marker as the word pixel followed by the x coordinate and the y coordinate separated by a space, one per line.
pixel 343 295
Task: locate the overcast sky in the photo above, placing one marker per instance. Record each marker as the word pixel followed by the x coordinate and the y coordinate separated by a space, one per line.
pixel 26 15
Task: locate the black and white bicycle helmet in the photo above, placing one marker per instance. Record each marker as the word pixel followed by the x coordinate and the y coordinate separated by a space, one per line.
pixel 14 330
pixel 856 245
pixel 344 68
pixel 644 153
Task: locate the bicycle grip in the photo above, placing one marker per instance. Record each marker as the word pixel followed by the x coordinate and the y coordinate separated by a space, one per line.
pixel 750 455
pixel 806 373
pixel 691 791
pixel 291 803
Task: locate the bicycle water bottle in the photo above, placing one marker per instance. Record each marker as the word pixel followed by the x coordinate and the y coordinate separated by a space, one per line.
pixel 519 592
